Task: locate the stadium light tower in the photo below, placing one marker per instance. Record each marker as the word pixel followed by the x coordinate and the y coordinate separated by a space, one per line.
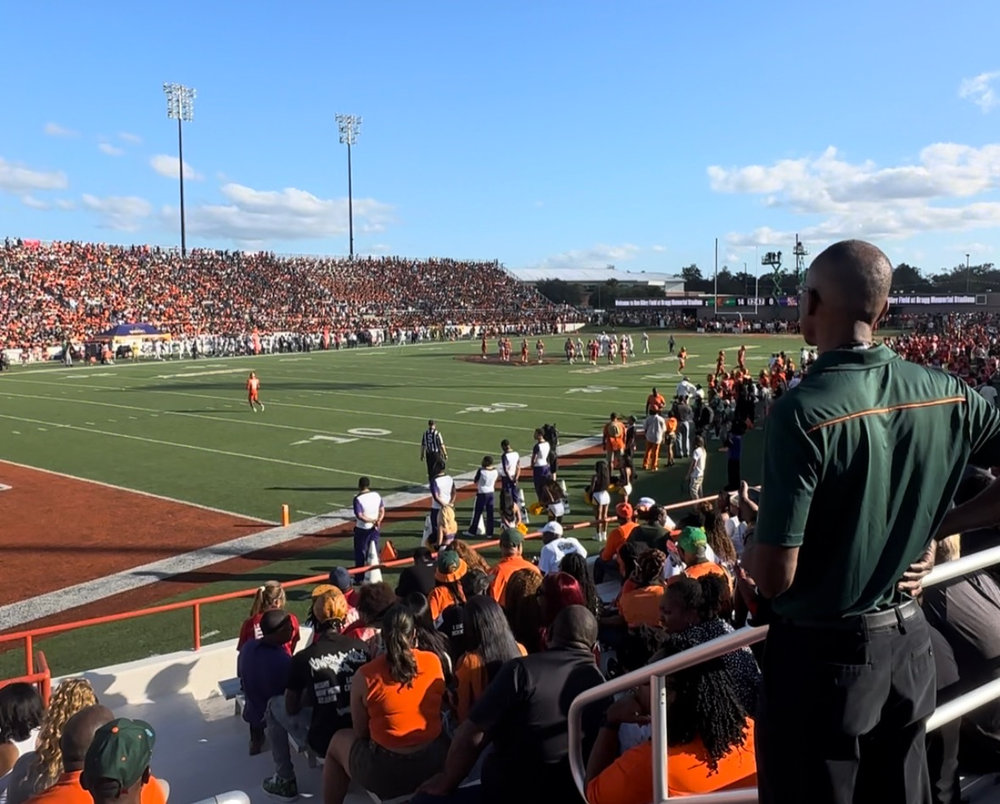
pixel 349 126
pixel 180 107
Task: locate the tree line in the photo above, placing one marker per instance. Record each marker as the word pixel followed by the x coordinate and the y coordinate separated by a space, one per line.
pixel 905 279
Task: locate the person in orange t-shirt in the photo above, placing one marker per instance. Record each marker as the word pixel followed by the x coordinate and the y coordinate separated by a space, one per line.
pixel 607 562
pixel 105 758
pixel 512 560
pixel 710 739
pixel 692 545
pixel 641 605
pixel 253 393
pixel 396 742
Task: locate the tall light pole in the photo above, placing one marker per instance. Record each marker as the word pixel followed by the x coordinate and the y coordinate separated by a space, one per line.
pixel 180 107
pixel 967 275
pixel 349 126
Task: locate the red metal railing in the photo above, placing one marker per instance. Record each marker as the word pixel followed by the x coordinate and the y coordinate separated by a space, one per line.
pixel 42 677
pixel 29 636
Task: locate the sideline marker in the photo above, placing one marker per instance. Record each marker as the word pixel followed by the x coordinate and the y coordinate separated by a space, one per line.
pixel 285 518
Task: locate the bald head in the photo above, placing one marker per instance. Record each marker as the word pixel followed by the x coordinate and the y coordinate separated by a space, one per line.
pixel 852 278
pixel 574 627
pixel 78 734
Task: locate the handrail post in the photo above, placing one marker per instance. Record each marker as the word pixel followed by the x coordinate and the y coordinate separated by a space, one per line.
pixel 29 651
pixel 658 713
pixel 196 616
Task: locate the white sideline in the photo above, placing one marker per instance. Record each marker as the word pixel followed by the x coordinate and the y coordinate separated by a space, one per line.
pixel 25 611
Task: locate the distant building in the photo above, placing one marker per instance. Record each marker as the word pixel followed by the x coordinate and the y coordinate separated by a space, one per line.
pixel 589 280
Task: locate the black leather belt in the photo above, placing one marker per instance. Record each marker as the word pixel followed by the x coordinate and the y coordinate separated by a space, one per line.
pixel 872 621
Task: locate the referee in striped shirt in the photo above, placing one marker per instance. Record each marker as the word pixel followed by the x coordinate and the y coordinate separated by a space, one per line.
pixel 432 449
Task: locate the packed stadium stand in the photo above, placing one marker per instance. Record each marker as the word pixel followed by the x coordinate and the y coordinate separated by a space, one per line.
pixel 56 291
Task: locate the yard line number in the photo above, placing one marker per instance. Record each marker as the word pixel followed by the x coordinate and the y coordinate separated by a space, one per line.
pixel 494 407
pixel 357 432
pixel 592 389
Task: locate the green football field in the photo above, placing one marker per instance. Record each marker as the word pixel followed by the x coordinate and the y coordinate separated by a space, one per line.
pixel 182 429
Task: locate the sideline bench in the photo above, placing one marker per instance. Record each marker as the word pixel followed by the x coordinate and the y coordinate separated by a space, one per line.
pixel 232 690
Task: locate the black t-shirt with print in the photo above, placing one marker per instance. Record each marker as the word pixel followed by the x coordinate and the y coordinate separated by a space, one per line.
pixel 325 671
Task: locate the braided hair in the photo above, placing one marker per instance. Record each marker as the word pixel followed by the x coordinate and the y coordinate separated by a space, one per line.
pixel 706 706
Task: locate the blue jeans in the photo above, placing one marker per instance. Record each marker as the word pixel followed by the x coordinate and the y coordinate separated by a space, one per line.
pixel 279 725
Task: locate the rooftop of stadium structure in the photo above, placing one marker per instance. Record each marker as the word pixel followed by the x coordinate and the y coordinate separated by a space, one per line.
pixel 670 282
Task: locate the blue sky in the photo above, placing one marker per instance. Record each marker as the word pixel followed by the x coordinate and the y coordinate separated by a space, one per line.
pixel 552 134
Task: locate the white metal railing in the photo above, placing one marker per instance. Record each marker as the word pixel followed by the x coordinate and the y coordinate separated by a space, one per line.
pixel 232 797
pixel 656 673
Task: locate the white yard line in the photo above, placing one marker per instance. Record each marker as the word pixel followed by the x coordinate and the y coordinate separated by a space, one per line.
pixel 136 491
pixel 46 605
pixel 196 448
pixel 247 420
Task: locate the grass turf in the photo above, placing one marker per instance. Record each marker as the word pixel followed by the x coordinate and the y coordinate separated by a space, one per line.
pixel 182 429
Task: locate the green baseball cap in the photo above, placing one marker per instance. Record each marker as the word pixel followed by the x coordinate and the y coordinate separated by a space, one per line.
pixel 511 537
pixel 691 539
pixel 120 753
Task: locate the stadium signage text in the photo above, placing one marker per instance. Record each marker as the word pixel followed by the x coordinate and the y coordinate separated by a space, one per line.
pixel 937 300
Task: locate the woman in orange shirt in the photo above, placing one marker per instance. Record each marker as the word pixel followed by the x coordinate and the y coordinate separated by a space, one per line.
pixel 397 742
pixel 709 740
pixel 447 592
pixel 490 643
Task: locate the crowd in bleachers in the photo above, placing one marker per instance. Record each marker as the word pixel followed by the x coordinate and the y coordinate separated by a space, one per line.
pixel 58 291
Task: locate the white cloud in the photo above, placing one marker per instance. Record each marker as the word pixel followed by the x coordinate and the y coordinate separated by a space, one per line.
pixel 256 216
pixel 598 256
pixel 980 90
pixel 122 213
pixel 109 149
pixel 659 248
pixel 167 166
pixel 18 179
pixel 34 203
pixel 55 130
pixel 864 200
pixel 131 139
pixel 65 204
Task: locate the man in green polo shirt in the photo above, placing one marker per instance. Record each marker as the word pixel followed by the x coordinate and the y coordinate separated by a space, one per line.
pixel 861 461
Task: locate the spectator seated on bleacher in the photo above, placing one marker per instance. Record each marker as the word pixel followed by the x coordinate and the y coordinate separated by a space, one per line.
pixel 374 601
pixel 474 584
pixel 576 567
pixel 106 760
pixel 709 733
pixel 522 609
pixel 36 771
pixel 263 670
pixel 316 701
pixel 49 292
pixel 522 715
pixel 693 611
pixel 419 577
pixel 21 714
pixel 606 567
pixel 489 645
pixel 270 596
pixel 397 740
